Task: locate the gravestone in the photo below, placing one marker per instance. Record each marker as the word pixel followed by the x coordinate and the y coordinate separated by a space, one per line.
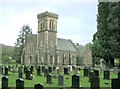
pixel 54 68
pixel 20 73
pixel 91 75
pixel 49 69
pixel 58 70
pixel 6 71
pixel 115 83
pixel 86 72
pixel 95 83
pixel 75 81
pixel 31 69
pixel 5 82
pixel 38 71
pixel 43 69
pixel 28 74
pixel 96 73
pixel 45 72
pixel 60 80
pixel 19 83
pixel 49 79
pixel 106 74
pixel 25 69
pixel 66 70
pixel 38 86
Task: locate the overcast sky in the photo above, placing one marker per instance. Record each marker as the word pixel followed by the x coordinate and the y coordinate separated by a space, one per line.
pixel 77 18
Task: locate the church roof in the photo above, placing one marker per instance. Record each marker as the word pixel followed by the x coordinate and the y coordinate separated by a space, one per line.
pixel 65 44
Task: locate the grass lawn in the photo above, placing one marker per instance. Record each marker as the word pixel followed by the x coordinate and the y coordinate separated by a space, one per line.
pixel 67 82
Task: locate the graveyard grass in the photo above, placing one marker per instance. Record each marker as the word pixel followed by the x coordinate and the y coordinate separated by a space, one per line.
pixel 67 82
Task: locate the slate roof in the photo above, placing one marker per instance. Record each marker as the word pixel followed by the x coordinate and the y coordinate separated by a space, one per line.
pixel 81 49
pixel 65 44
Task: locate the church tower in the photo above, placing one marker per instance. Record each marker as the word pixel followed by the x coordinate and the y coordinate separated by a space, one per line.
pixel 47 38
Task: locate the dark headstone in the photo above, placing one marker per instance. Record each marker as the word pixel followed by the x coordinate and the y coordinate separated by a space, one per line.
pixel 5 82
pixel 25 69
pixel 66 71
pixel 86 72
pixel 19 83
pixel 20 73
pixel 31 69
pixel 91 75
pixel 6 71
pixel 38 86
pixel 38 71
pixel 45 72
pixel 75 81
pixel 95 83
pixel 96 73
pixel 49 69
pixel 115 83
pixel 43 69
pixel 60 80
pixel 49 79
pixel 54 68
pixel 28 74
pixel 106 74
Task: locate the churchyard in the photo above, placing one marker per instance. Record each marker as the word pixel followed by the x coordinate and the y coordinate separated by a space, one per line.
pixel 24 77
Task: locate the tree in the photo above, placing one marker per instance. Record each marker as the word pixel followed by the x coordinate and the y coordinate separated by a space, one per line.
pixel 21 40
pixel 106 41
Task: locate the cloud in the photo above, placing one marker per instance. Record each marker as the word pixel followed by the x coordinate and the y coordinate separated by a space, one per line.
pixel 76 20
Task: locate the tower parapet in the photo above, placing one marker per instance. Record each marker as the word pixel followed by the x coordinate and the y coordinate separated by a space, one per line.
pixel 49 14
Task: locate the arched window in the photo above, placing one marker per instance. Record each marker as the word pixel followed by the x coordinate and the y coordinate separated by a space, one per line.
pixel 41 44
pixel 51 60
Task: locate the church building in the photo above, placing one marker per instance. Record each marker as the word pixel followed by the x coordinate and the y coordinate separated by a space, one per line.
pixel 44 48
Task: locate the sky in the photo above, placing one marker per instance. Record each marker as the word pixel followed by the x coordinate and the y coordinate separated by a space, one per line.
pixel 77 18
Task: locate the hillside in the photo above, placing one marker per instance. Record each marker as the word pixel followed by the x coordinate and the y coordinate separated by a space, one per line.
pixel 9 49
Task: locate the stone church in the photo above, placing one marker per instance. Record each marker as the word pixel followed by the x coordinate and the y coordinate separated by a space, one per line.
pixel 44 48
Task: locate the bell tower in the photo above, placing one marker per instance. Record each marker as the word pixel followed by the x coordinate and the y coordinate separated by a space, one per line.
pixel 47 37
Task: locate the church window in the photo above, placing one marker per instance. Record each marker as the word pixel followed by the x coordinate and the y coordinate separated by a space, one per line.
pixel 51 24
pixel 41 25
pixel 46 36
pixel 41 44
pixel 51 43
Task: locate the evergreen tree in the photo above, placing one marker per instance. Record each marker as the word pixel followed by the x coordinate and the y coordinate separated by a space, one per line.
pixel 21 40
pixel 106 41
